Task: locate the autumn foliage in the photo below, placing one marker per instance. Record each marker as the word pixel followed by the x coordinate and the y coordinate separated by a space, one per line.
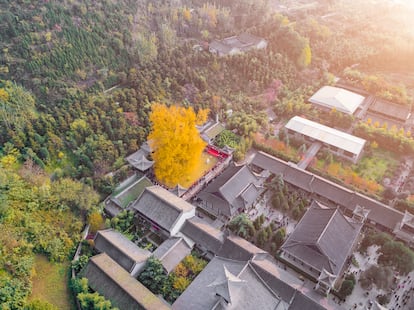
pixel 176 142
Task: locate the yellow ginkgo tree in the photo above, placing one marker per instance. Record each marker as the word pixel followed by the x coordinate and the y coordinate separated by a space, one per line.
pixel 175 141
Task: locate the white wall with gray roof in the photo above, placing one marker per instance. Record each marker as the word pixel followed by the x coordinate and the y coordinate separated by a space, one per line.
pixel 126 253
pixel 163 209
pixel 380 215
pixel 109 279
pixel 322 240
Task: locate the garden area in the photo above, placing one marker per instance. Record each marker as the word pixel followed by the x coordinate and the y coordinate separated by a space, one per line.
pixel 50 283
pixel 272 222
pixel 130 190
pixel 267 237
pixel 172 285
pixel 366 176
pixel 377 166
pixel 381 270
pixel 276 147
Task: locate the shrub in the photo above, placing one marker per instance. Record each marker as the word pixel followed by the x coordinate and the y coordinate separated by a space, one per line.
pixel 346 288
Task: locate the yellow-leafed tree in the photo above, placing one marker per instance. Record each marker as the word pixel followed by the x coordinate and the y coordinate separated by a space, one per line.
pixel 176 142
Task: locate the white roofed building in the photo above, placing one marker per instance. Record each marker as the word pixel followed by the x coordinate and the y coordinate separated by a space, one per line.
pixel 342 100
pixel 338 142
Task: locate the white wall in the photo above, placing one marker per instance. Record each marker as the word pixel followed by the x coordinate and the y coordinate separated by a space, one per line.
pixel 181 220
pixel 138 267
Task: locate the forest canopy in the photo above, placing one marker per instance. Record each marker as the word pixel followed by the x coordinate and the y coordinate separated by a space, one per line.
pixel 37 216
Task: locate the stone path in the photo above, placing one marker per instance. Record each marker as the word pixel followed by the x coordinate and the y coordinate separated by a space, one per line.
pixel 310 154
pixel 359 299
pixel 271 214
pixel 402 297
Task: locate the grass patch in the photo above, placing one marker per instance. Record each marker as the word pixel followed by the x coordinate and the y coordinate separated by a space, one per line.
pixel 347 173
pixel 50 283
pixel 133 192
pixel 376 166
pixel 128 182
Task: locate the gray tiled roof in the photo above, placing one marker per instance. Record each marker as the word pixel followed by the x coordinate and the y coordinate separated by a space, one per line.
pixel 178 190
pixel 171 252
pixel 399 111
pixel 249 38
pixel 139 160
pixel 300 302
pixel 119 248
pixel 249 195
pixel 109 279
pixel 331 191
pixel 299 178
pixel 161 206
pixel 112 207
pixel 240 284
pixel 238 248
pixel 214 130
pixel 280 281
pixel 220 47
pixel 379 212
pixel 284 284
pixel 233 189
pixel 269 162
pixel 218 202
pixel 198 295
pixel 203 234
pixel 237 183
pixel 323 239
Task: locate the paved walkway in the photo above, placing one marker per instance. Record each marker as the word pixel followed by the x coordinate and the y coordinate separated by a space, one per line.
pixel 367 102
pixel 271 214
pixel 402 297
pixel 359 298
pixel 310 154
pixel 407 166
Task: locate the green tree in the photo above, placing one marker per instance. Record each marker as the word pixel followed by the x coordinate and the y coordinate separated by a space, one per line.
pixel 17 107
pixel 305 57
pixel 95 221
pixel 93 301
pixel 123 221
pixel 153 276
pixel 346 288
pixel 398 255
pixel 279 236
pixel 80 285
pixel 241 225
pixel 38 304
pixel 380 276
pixel 146 47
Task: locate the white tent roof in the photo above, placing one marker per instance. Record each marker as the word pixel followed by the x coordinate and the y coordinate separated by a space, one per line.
pixel 326 134
pixel 337 98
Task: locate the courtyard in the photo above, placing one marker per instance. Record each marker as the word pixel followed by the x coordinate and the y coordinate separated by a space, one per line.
pixel 400 292
pixel 207 162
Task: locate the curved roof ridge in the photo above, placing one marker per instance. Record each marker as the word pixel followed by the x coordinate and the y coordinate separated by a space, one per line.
pixel 154 191
pixel 242 167
pixel 261 280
